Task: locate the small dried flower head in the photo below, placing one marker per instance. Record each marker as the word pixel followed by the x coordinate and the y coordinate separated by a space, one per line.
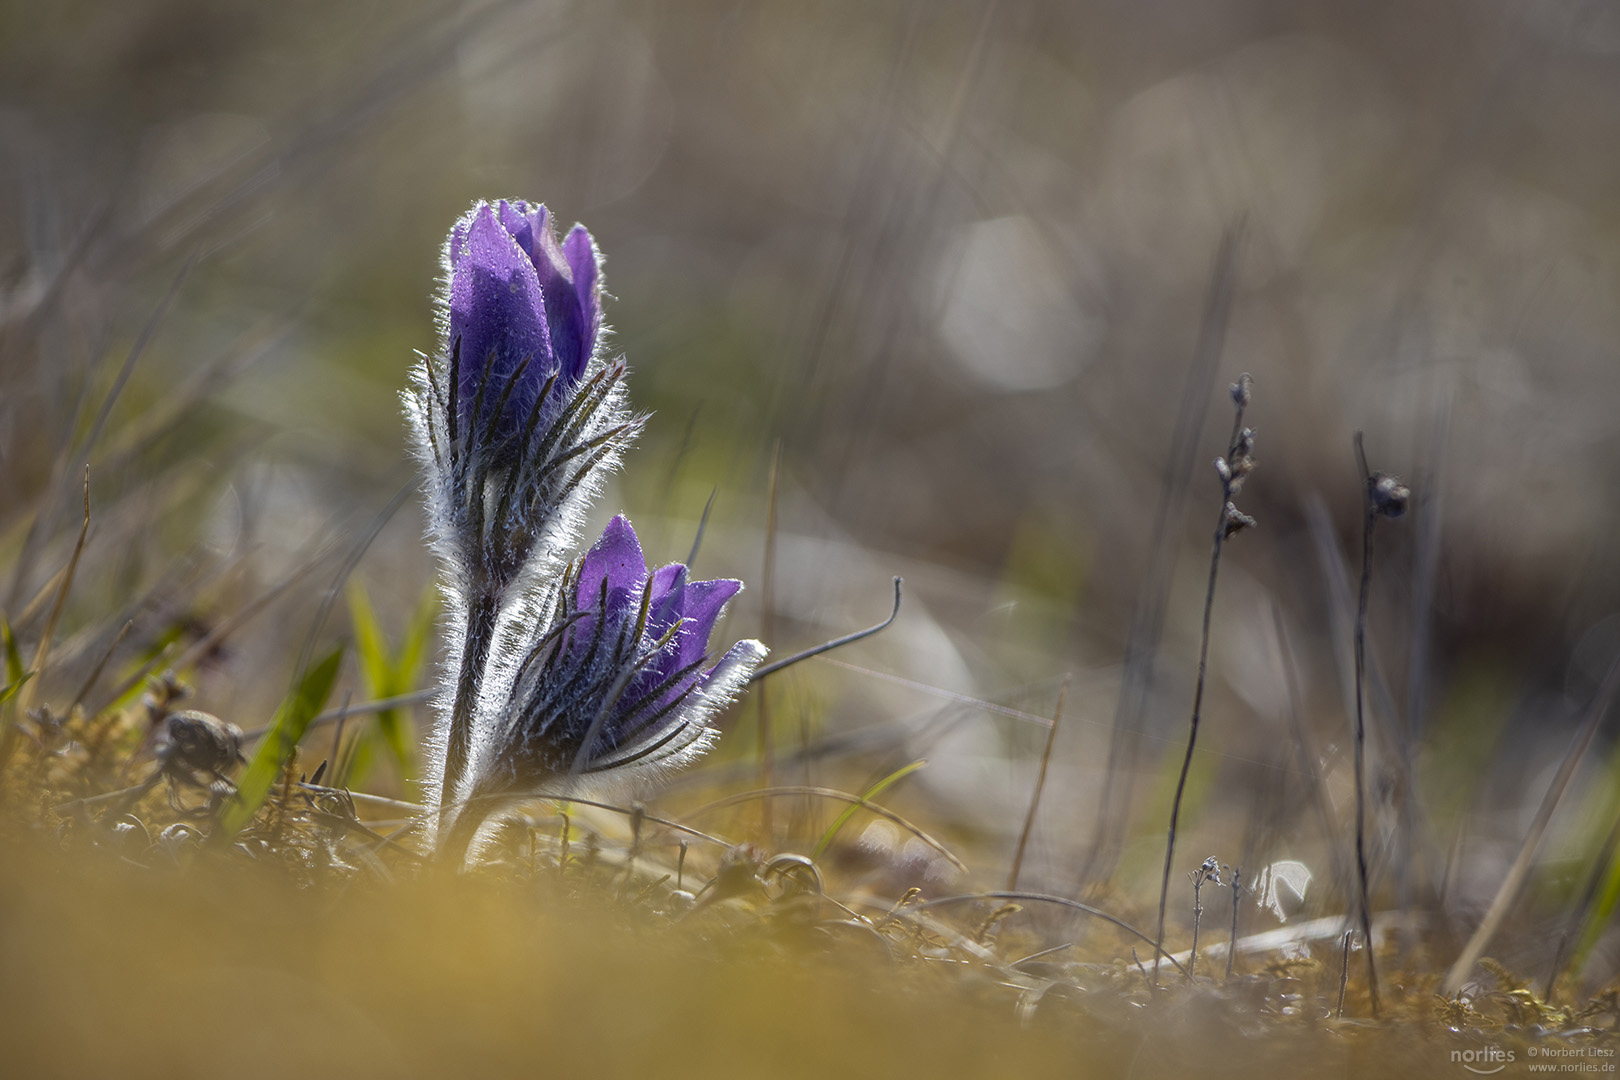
pixel 1237 521
pixel 614 678
pixel 1388 495
pixel 1241 390
pixel 1243 452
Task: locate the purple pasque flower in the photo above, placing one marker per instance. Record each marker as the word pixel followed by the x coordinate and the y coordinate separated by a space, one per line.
pixel 517 420
pixel 616 678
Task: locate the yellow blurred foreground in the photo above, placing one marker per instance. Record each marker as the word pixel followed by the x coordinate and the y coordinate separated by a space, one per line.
pixel 109 970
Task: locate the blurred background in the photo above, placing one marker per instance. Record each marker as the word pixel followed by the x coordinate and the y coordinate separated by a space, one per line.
pixel 976 277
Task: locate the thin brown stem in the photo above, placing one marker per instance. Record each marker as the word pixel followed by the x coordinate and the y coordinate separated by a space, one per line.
pixel 1224 527
pixel 1040 784
pixel 1364 905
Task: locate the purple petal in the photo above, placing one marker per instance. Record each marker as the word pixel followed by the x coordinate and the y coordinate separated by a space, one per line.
pixel 524 223
pixel 565 315
pixel 563 312
pixel 496 310
pixel 616 558
pixel 668 599
pixel 704 600
pixel 699 604
pixel 584 263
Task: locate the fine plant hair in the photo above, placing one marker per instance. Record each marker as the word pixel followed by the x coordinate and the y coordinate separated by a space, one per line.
pixel 508 477
pixel 1232 470
pixel 1384 496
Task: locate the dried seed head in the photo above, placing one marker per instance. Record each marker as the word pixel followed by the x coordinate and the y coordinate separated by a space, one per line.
pixel 1243 449
pixel 1237 520
pixel 1389 497
pixel 200 743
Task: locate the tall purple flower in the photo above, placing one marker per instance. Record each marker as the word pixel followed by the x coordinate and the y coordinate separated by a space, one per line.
pixel 616 678
pixel 517 420
pixel 523 313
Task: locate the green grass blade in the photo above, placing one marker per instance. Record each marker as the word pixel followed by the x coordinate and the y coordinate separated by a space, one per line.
pixel 393 724
pixel 417 637
pixel 388 674
pixel 1598 917
pixel 14 664
pixel 370 646
pixel 870 793
pixel 11 688
pixel 292 720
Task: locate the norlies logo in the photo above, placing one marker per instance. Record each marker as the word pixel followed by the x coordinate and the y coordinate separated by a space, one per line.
pixel 1484 1061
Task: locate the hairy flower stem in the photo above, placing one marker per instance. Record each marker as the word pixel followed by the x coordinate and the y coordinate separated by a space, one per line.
pixel 480 634
pixel 455 845
pixel 1224 527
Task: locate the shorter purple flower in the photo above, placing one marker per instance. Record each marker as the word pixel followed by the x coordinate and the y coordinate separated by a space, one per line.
pixel 618 680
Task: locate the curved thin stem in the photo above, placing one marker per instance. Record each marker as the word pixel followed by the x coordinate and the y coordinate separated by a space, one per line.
pixel 841 796
pixel 835 643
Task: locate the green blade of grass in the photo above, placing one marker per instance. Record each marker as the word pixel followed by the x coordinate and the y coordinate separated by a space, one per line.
pixel 870 793
pixel 14 664
pixel 292 719
pixel 407 664
pixel 389 674
pixel 11 688
pixel 369 646
pixel 1598 917
pixel 16 678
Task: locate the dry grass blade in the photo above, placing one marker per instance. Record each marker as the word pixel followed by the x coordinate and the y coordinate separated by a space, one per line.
pixel 1046 898
pixel 219 633
pixel 1513 880
pixel 43 652
pixel 840 796
pixel 1040 785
